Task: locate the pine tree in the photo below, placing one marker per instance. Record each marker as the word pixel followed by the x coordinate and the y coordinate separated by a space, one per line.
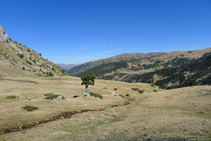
pixel 88 79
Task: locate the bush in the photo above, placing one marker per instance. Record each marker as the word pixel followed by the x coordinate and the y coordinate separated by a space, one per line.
pixel 96 95
pixel 153 85
pixel 49 74
pixel 11 97
pixel 23 68
pixel 52 96
pixel 115 88
pixel 30 108
pixel 29 62
pixel 121 96
pixel 137 89
pixel 20 55
pixel 105 88
pixel 155 90
pixel 127 95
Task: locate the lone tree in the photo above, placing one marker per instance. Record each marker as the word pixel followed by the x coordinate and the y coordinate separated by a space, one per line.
pixel 88 79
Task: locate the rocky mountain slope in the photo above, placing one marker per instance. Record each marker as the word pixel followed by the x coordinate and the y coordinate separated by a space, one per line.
pixel 18 60
pixel 119 58
pixel 171 70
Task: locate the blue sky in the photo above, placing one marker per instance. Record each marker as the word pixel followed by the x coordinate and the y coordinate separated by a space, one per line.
pixel 78 31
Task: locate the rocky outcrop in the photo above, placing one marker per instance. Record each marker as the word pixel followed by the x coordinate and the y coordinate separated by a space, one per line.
pixel 3 36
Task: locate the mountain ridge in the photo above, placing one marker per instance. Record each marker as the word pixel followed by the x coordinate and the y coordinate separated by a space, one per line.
pixel 150 70
pixel 118 58
pixel 19 60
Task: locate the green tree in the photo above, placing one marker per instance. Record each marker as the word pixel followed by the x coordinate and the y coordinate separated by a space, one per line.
pixel 88 79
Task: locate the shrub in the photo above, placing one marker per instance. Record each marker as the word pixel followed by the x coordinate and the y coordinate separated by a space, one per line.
pixel 137 89
pixel 127 95
pixel 155 90
pixel 52 96
pixel 115 88
pixel 23 68
pixel 153 85
pixel 96 95
pixel 30 108
pixel 49 74
pixel 105 88
pixel 11 97
pixel 20 55
pixel 121 96
pixel 29 62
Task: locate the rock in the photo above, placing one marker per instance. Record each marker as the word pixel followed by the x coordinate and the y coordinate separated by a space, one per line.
pixel 86 94
pixel 3 36
pixel 59 97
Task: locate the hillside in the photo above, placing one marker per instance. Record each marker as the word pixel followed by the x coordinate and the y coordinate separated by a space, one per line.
pixel 171 70
pixel 119 58
pixel 19 60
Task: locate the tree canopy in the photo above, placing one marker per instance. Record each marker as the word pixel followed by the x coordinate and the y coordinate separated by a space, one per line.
pixel 88 79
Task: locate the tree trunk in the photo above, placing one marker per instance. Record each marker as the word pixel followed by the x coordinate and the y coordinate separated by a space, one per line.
pixel 86 88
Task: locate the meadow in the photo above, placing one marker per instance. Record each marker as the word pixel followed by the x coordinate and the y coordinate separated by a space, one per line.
pixel 155 114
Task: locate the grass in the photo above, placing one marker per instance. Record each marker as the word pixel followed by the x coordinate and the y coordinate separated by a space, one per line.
pixel 147 110
pixel 30 108
pixel 96 95
pixel 11 97
pixel 52 96
pixel 205 94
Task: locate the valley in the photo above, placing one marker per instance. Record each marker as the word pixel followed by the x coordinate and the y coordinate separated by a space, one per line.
pixel 138 96
pixel 182 113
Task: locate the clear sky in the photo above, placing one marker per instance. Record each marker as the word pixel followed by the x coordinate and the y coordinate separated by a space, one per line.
pixel 78 31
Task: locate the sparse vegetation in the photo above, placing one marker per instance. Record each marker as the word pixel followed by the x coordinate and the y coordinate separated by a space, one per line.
pixel 206 94
pixel 121 96
pixel 49 74
pixel 11 97
pixel 96 95
pixel 52 96
pixel 127 95
pixel 20 55
pixel 30 108
pixel 137 89
pixel 155 90
pixel 115 89
pixel 29 62
pixel 105 88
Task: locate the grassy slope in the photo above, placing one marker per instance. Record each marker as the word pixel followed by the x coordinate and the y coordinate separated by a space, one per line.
pixel 181 113
pixel 12 65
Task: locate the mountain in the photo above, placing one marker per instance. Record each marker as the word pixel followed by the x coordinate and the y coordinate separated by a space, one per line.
pixel 119 58
pixel 171 70
pixel 67 66
pixel 19 60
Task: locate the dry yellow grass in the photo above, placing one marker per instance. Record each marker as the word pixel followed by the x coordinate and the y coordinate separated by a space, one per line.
pixel 181 113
